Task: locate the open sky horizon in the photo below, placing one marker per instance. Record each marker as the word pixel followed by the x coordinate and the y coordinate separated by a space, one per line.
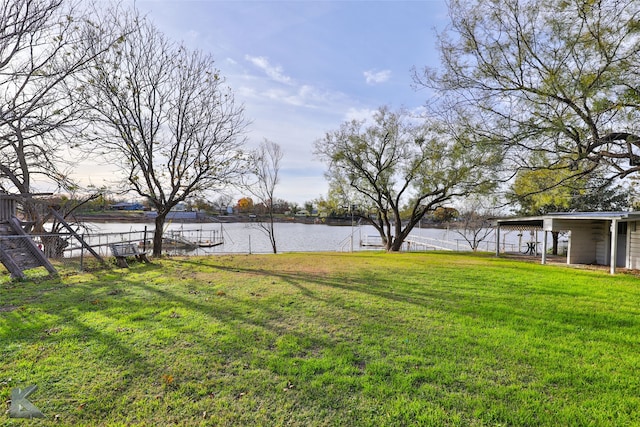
pixel 302 68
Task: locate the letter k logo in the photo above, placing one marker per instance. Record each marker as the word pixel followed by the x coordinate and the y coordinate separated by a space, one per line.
pixel 20 406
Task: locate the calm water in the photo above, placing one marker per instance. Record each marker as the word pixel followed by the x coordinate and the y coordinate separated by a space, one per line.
pixel 247 238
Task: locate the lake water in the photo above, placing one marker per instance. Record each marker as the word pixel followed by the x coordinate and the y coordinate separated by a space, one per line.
pixel 290 237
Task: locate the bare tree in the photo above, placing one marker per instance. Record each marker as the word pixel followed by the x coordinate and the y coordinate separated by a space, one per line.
pixel 474 224
pixel 222 203
pixel 266 169
pixel 40 53
pixel 164 115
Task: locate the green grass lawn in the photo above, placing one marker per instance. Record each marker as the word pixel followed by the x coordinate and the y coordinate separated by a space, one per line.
pixel 364 339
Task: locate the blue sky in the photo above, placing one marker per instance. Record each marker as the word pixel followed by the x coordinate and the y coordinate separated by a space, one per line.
pixel 301 68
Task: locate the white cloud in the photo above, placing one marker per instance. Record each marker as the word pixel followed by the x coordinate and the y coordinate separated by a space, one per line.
pixel 259 90
pixel 274 72
pixel 360 114
pixel 373 77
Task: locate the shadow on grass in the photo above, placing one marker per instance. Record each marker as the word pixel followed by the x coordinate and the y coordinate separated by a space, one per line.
pixel 291 332
pixel 517 297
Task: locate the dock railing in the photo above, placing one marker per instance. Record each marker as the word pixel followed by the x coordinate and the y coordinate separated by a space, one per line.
pixel 69 250
pixel 422 243
pixel 419 243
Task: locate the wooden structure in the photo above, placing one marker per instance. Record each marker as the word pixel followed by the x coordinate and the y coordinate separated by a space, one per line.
pixel 18 252
pixel 121 251
pixel 84 244
pixel 601 238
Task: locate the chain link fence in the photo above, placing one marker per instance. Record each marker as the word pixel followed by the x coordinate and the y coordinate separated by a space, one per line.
pixel 64 251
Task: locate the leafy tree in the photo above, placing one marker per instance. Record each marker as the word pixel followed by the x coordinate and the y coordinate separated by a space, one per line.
pixel 295 208
pixel 543 191
pixel 340 199
pixel 396 163
pixel 200 204
pixel 600 194
pixel 559 78
pixel 245 204
pixel 445 214
pixel 326 206
pixel 163 114
pixel 308 206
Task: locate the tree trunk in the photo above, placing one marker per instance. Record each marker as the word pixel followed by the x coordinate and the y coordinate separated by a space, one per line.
pixel 272 234
pixel 554 237
pixel 396 245
pixel 157 235
pixel 401 234
pixel 53 246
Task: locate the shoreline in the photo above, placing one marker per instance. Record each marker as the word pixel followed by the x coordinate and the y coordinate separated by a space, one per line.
pixel 231 219
pixel 222 219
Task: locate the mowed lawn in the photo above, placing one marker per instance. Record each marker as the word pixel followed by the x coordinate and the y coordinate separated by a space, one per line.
pixel 363 339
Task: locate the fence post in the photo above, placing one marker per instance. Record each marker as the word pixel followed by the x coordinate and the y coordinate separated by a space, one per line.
pixel 144 240
pixel 82 254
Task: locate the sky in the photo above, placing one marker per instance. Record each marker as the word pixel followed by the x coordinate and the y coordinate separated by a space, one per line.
pixel 302 68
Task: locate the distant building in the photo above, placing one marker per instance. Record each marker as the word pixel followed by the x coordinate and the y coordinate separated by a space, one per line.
pixel 179 215
pixel 126 206
pixel 180 207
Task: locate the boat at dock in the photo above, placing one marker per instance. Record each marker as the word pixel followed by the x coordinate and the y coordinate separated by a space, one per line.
pixel 177 242
pixel 172 243
pixel 209 244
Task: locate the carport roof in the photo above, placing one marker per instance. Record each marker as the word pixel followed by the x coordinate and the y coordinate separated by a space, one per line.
pixel 530 222
pixel 538 221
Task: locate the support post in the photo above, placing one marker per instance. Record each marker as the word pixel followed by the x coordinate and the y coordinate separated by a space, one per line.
pixel 498 240
pixel 73 232
pixel 614 246
pixel 544 247
pixel 627 260
pixel 144 240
